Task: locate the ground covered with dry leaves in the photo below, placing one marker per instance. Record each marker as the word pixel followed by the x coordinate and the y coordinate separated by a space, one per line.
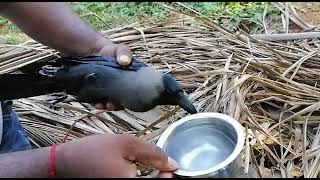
pixel 271 88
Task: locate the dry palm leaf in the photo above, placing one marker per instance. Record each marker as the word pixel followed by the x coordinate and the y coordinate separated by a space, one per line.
pixel 269 87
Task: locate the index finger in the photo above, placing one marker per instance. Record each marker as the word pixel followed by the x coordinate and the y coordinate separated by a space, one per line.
pixel 149 154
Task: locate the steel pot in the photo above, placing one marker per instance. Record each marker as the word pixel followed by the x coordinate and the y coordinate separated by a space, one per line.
pixel 205 145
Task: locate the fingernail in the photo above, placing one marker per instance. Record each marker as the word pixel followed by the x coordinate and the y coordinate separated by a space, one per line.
pixel 124 59
pixel 172 163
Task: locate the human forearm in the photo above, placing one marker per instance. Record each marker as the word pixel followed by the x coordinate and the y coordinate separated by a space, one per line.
pixel 92 156
pixel 32 163
pixel 56 25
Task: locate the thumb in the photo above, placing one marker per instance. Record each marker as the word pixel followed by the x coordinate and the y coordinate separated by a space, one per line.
pixel 123 55
pixel 151 155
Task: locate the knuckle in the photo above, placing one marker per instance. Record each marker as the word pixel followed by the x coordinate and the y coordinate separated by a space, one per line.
pixel 128 141
pixel 124 47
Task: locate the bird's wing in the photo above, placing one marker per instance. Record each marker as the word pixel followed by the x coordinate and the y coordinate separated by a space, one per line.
pixel 27 85
pixel 135 64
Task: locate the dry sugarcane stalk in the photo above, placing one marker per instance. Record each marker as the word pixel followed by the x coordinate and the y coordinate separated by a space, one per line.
pixel 287 36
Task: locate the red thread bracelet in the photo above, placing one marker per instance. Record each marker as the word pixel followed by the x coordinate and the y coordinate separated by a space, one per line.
pixel 52 161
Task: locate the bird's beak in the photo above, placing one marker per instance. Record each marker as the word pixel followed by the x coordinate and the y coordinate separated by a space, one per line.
pixel 186 104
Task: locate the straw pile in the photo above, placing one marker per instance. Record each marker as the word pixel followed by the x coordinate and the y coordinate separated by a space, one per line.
pixel 271 88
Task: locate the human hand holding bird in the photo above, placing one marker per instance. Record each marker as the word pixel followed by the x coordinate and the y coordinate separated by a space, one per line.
pixel 92 79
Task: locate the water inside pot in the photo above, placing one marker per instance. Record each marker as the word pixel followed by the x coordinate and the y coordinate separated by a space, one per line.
pixel 201 146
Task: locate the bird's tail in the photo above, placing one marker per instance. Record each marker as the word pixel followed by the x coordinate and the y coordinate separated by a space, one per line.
pixel 15 86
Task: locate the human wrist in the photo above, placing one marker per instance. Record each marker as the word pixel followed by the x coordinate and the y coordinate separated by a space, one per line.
pixel 61 161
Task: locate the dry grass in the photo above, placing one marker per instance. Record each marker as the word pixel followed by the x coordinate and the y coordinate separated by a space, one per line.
pixel 269 87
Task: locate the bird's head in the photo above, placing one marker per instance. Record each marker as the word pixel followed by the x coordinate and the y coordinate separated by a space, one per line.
pixel 173 94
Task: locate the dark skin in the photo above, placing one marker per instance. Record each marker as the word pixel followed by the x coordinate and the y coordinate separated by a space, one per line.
pixel 93 156
pixel 54 24
pixel 57 26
